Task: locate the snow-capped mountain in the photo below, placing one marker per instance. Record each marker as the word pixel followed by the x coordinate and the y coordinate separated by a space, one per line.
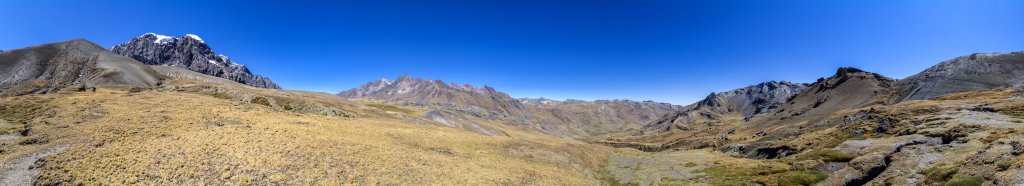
pixel 192 53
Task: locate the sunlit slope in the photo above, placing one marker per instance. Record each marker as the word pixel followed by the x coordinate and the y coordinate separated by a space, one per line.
pixel 181 137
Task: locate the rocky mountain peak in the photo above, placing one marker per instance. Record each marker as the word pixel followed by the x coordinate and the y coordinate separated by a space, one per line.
pixel 189 52
pixel 426 92
pixel 743 102
pixel 847 70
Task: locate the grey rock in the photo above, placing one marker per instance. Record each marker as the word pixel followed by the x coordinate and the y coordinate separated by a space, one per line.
pixel 972 72
pixel 873 160
pixel 192 53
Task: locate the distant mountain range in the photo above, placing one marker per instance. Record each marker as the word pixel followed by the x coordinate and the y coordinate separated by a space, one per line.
pixel 192 53
pixel 571 118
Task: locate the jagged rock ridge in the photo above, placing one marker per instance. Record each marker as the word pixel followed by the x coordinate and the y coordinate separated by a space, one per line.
pixel 971 72
pixel 744 102
pixel 192 53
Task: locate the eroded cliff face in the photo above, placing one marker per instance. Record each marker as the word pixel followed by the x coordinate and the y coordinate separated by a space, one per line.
pixel 192 53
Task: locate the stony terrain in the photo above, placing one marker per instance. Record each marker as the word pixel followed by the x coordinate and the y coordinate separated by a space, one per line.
pixel 192 53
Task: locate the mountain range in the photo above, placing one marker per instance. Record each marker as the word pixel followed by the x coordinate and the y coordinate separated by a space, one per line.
pixel 69 109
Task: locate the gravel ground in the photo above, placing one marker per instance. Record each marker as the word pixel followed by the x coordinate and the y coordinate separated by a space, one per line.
pixel 21 171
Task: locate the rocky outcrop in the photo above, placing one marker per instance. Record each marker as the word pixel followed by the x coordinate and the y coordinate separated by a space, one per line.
pixel 76 64
pixel 972 72
pixel 192 53
pixel 874 159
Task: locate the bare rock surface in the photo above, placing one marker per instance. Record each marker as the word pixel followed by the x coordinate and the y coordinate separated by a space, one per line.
pixel 192 53
pixel 971 72
pixel 874 159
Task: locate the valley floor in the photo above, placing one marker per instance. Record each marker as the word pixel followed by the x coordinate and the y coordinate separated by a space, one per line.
pixel 175 137
pixel 185 138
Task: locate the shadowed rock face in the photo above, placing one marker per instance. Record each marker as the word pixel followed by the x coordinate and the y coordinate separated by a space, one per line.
pixel 192 53
pixel 746 102
pixel 70 64
pixel 972 72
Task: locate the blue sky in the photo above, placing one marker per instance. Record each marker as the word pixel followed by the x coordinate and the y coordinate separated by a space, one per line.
pixel 671 51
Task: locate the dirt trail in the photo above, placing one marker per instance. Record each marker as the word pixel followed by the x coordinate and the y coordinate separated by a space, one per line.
pixel 20 171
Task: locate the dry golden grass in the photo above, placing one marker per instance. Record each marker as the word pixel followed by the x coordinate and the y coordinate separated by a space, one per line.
pixel 155 137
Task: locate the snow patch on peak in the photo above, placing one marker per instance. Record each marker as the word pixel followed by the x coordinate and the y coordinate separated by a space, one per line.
pixel 212 62
pixel 160 39
pixel 193 36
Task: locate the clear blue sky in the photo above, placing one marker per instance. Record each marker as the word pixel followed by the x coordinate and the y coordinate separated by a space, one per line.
pixel 672 51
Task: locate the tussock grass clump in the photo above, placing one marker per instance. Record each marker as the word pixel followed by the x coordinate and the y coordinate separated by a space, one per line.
pixel 261 101
pixel 940 173
pixel 222 95
pixel 965 181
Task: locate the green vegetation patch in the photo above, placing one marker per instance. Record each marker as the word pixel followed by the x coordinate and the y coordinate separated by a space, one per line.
pixel 690 164
pixel 742 174
pixel 222 95
pixel 965 181
pixel 391 108
pixel 827 155
pixel 940 173
pixel 793 178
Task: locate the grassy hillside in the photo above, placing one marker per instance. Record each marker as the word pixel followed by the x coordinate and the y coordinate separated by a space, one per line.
pixel 172 137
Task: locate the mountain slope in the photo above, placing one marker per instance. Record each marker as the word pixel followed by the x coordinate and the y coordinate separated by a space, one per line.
pixel 453 104
pixel 73 64
pixel 972 72
pixel 600 116
pixel 744 103
pixel 481 102
pixel 192 53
